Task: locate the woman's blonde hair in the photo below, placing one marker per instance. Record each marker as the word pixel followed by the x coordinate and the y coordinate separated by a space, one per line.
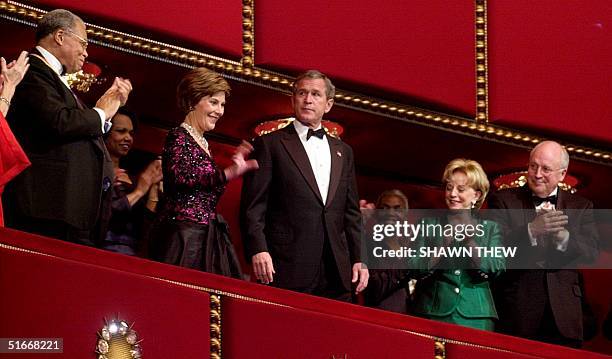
pixel 477 178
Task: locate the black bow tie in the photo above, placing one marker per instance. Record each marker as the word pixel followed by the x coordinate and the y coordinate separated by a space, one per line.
pixel 318 133
pixel 538 201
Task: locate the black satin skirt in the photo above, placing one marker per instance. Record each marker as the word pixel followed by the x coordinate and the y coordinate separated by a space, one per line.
pixel 204 247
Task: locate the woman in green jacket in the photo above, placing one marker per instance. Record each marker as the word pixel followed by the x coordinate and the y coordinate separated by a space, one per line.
pixel 456 290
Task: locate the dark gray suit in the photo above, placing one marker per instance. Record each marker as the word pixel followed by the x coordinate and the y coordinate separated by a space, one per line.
pixel 528 300
pixel 283 212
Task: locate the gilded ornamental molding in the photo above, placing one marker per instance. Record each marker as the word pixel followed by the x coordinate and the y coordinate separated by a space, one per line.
pixel 439 349
pixel 215 326
pixel 247 73
pixel 482 67
pixel 248 33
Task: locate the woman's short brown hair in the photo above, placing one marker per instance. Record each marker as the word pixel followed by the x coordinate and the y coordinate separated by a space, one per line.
pixel 196 84
pixel 477 178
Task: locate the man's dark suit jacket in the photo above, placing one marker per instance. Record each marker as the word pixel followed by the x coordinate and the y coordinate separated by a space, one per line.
pixel 522 295
pixel 63 142
pixel 283 213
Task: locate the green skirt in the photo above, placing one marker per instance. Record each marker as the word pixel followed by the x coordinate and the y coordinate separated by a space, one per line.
pixel 456 318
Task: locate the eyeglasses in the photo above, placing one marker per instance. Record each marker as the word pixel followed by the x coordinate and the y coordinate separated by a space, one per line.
pixel 82 41
pixel 544 169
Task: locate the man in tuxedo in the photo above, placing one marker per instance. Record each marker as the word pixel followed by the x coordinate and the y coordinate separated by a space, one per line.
pixel 65 193
pixel 552 230
pixel 300 213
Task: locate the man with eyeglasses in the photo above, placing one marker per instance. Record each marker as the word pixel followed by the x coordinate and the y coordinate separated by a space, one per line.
pixel 554 231
pixel 65 193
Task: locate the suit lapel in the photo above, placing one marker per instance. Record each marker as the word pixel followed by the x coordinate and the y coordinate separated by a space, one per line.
pixel 335 148
pixel 102 147
pixel 561 199
pixel 98 141
pixel 529 211
pixel 79 104
pixel 294 147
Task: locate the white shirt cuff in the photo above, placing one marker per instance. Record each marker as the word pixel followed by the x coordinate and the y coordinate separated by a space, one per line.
pixel 532 239
pixel 102 115
pixel 562 246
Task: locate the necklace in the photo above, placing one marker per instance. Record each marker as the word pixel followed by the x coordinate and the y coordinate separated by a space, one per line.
pixel 199 138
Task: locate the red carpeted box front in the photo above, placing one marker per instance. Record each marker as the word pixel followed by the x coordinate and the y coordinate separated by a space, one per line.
pixel 52 289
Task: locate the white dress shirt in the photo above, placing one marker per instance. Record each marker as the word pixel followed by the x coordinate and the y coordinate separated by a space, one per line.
pixel 56 66
pixel 319 156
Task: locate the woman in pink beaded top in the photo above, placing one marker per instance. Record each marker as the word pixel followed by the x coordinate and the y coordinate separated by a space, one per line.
pixel 189 233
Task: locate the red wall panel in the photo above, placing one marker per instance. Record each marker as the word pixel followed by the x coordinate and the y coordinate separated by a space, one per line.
pixel 549 65
pixel 214 24
pixel 296 333
pixel 50 297
pixel 65 291
pixel 423 49
pixel 548 60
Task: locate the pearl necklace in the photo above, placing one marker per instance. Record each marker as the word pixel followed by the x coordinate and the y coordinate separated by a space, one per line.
pixel 199 138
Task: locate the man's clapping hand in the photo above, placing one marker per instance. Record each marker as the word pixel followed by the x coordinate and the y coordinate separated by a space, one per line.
pixel 549 222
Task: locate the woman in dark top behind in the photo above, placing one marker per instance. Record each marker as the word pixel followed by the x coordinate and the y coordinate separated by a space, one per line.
pixel 189 234
pixel 134 199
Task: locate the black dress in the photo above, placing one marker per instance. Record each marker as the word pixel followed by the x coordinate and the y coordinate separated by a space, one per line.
pixel 190 234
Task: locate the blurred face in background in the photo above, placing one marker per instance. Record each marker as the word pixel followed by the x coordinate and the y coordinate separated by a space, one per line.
pixel 394 208
pixel 391 202
pixel 121 138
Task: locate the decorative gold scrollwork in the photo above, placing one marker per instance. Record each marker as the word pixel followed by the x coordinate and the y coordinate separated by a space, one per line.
pixel 215 326
pixel 248 33
pixel 439 350
pixel 482 74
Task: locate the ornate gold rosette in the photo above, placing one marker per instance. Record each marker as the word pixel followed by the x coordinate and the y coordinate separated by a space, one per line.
pixel 117 340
